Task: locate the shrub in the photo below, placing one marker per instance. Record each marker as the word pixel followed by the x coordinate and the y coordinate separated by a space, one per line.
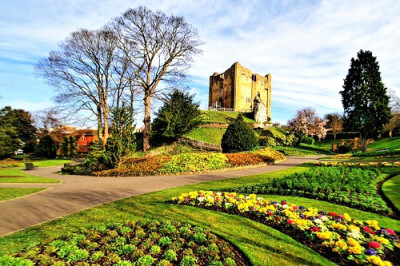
pixel 269 155
pixel 238 137
pixel 307 140
pixel 176 117
pixel 267 141
pixel 69 147
pixel 46 148
pixel 344 149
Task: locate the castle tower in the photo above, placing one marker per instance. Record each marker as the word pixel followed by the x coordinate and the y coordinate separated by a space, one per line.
pixel 237 89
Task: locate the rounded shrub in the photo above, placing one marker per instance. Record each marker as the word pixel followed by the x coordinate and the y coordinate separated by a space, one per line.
pixel 307 140
pixel 238 137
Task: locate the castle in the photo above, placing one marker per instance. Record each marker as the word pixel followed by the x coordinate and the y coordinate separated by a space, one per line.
pixel 238 89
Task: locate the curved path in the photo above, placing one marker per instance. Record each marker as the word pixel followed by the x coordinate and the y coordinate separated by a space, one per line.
pixel 77 193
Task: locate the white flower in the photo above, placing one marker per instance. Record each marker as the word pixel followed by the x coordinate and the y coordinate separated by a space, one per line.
pixel 354 234
pixel 201 199
pixel 219 193
pixel 285 206
pixel 318 221
pixel 324 218
pixel 260 198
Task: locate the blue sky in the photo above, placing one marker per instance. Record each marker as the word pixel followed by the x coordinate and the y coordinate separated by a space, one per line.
pixel 305 45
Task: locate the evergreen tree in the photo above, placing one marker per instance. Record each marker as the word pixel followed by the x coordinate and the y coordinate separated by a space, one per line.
pixel 364 97
pixel 238 137
pixel 176 117
pixel 69 147
pixel 46 148
pixel 122 140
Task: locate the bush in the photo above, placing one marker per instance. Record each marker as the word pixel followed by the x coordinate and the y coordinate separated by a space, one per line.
pixel 267 141
pixel 176 117
pixel 46 148
pixel 69 147
pixel 344 149
pixel 307 140
pixel 269 155
pixel 238 137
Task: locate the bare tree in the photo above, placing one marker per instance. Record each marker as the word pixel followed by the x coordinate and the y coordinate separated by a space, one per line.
pixel 160 49
pixel 88 74
pixel 335 123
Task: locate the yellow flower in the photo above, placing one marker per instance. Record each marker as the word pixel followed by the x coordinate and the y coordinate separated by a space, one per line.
pixel 353 227
pixel 355 250
pixel 373 224
pixel 378 261
pixel 325 235
pixel 341 244
pixel 339 226
pixel 174 198
pixel 383 240
pixel 347 217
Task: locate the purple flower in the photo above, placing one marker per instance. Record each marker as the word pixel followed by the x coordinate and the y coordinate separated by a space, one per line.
pixel 370 251
pixel 302 215
pixel 322 212
pixel 302 208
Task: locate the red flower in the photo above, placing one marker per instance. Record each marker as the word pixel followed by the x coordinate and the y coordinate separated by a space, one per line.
pixel 315 229
pixel 295 208
pixel 289 221
pixel 390 231
pixel 283 202
pixel 374 245
pixel 333 214
pixel 217 199
pixel 368 230
pixel 278 218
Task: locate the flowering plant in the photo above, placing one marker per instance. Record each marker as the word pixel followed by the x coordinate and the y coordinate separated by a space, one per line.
pixel 357 164
pixel 347 239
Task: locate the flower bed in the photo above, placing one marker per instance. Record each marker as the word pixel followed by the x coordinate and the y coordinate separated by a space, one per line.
pixel 338 237
pixel 352 187
pixel 153 243
pixel 191 162
pixel 357 164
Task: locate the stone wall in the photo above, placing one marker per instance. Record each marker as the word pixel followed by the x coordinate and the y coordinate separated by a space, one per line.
pixel 237 88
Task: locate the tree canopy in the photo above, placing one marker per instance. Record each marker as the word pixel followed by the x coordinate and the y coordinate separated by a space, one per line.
pixel 364 97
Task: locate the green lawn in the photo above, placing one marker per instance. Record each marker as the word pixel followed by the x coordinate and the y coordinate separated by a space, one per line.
pixel 18 175
pixel 261 244
pixel 221 117
pixel 386 143
pixel 47 163
pixel 391 188
pixel 208 135
pixel 12 193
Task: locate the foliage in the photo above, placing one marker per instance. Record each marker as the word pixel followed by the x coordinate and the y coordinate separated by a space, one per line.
pixel 269 155
pixel 9 163
pixel 275 136
pixel 340 237
pixel 243 159
pixel 179 115
pixel 46 148
pixel 267 141
pixel 122 140
pixel 9 140
pixel 238 137
pixel 319 128
pixel 376 153
pixel 69 147
pixel 307 140
pixel 208 135
pixel 342 149
pixel 334 123
pixel 195 162
pixel 141 243
pixel 347 186
pixel 364 97
pixel 22 122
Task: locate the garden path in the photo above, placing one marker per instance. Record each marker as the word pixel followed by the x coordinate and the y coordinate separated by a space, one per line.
pixel 77 193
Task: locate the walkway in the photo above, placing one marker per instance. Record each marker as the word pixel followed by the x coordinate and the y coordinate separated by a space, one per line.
pixel 77 193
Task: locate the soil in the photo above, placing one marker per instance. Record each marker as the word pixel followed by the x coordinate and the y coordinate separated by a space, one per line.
pixel 4 176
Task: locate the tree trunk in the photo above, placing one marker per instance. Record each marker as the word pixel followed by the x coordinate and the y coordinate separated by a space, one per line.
pixel 99 123
pixel 364 142
pixel 334 136
pixel 146 122
pixel 105 128
pixel 390 133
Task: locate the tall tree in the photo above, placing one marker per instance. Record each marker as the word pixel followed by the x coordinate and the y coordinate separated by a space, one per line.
pixel 160 49
pixel 88 73
pixel 364 97
pixel 334 123
pixel 179 114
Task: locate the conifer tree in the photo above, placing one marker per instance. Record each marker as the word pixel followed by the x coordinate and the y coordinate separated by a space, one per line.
pixel 364 97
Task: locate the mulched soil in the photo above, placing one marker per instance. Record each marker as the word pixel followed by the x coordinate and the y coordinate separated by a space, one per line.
pixel 3 176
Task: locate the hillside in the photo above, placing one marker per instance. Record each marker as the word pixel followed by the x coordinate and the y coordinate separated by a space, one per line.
pixel 208 117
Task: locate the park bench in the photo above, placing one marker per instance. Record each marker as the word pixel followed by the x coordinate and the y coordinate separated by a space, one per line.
pixel 29 166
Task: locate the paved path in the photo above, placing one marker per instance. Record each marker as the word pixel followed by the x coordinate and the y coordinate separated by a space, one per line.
pixel 77 193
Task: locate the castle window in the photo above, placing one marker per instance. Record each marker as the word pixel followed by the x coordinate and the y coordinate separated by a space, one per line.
pixel 254 77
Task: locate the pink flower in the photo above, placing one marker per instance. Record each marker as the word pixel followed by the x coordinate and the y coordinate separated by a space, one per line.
pixel 368 230
pixel 390 231
pixel 374 245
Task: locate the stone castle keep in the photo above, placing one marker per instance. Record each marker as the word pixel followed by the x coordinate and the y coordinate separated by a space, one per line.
pixel 238 89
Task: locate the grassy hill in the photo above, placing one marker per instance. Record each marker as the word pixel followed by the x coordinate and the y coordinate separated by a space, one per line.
pixel 221 117
pixel 209 135
pixel 386 143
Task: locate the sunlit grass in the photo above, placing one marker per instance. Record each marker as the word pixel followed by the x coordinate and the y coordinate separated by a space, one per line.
pixel 7 193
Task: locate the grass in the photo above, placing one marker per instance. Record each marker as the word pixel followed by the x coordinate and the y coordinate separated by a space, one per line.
pixel 48 163
pixel 208 135
pixel 315 148
pixel 12 193
pixel 386 143
pixel 261 244
pixel 18 175
pixel 391 189
pixel 222 117
pixel 295 151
